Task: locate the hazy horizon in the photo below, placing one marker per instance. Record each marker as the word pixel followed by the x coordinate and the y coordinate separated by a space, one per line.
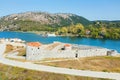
pixel 91 10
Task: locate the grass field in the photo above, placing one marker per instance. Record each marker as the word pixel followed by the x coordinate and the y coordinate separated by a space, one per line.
pixel 104 64
pixel 14 73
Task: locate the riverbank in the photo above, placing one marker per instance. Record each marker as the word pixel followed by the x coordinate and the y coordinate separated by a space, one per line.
pixel 30 37
pixel 64 35
pixel 35 32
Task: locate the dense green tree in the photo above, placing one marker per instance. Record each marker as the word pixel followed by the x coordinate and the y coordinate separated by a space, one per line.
pixel 97 30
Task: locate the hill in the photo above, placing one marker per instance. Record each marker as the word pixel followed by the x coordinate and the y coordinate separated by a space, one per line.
pixel 40 21
pixel 106 23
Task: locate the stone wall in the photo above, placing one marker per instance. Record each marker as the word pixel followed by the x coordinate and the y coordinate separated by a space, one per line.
pixel 34 53
pixel 37 53
pixel 92 52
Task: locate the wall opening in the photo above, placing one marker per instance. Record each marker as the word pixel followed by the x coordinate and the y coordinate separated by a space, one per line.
pixel 76 55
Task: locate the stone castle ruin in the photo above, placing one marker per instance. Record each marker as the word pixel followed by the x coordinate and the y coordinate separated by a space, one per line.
pixel 37 51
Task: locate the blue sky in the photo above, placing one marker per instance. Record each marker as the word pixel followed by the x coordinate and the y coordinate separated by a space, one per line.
pixel 90 9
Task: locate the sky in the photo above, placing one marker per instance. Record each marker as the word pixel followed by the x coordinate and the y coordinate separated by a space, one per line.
pixel 90 9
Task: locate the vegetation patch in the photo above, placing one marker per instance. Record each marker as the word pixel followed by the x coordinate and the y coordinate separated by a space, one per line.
pixel 22 52
pixel 110 30
pixel 104 64
pixel 15 73
pixel 9 48
pixel 16 59
pixel 20 49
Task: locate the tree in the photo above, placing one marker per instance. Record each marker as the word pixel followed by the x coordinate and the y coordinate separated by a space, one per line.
pixel 94 34
pixel 77 29
pixel 63 30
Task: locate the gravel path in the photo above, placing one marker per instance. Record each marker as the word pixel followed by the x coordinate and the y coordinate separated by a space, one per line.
pixel 32 66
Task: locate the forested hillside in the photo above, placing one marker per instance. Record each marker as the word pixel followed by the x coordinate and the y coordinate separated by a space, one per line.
pixel 40 21
pixel 98 29
pixel 62 23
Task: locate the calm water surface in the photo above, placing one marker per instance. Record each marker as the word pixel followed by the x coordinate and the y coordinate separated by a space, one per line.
pixel 110 44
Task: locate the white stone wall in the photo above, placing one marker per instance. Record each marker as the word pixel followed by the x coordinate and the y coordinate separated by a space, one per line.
pixel 58 54
pixel 33 53
pixel 92 52
pixel 80 53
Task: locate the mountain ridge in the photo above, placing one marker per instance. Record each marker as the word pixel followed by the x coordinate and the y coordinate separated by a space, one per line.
pixel 20 20
pixel 43 21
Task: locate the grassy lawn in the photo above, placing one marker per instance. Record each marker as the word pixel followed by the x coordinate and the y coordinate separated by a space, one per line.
pixel 104 64
pixel 14 73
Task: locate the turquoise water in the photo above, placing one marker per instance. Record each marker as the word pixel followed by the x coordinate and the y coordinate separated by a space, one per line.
pixel 110 44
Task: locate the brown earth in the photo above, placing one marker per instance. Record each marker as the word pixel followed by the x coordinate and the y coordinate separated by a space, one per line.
pixel 14 73
pixel 105 64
